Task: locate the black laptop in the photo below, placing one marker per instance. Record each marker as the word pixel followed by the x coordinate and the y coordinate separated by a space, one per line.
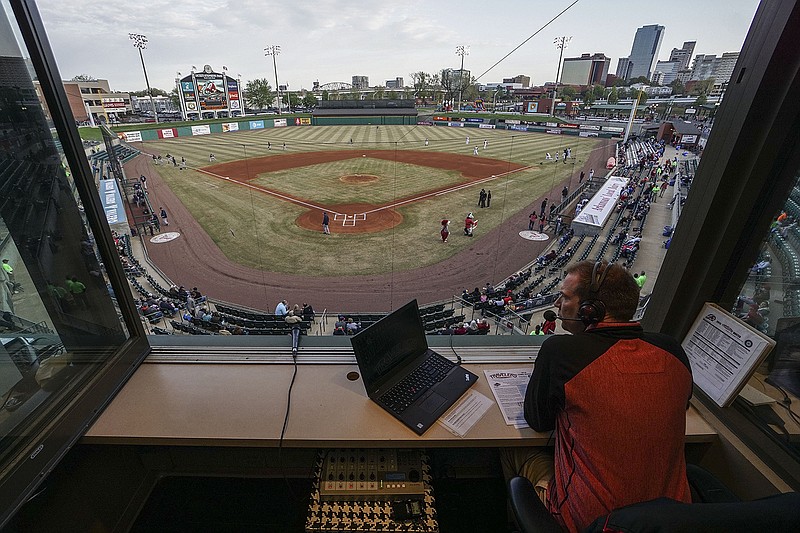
pixel 402 375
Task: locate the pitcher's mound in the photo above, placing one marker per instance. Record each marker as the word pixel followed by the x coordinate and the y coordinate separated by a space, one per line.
pixel 358 219
pixel 358 178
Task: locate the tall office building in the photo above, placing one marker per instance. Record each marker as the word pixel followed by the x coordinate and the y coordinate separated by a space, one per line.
pixel 622 68
pixel 667 71
pixel 360 82
pixel 703 66
pixel 585 70
pixel 723 68
pixel 644 51
pixel 683 55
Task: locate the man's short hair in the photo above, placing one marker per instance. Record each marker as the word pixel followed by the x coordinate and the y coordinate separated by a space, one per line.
pixel 619 292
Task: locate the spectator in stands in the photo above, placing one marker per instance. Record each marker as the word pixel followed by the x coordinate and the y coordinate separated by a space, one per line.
pixel 167 307
pixel 281 309
pixel 352 327
pixel 483 325
pixel 308 312
pixel 292 318
pixel 460 329
pixel 537 330
pixel 340 323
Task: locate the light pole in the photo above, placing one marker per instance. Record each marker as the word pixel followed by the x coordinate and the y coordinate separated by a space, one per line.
pixel 140 42
pixel 273 50
pixel 561 43
pixel 461 50
pixel 241 94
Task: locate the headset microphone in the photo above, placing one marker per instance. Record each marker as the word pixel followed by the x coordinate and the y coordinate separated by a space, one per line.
pixel 565 318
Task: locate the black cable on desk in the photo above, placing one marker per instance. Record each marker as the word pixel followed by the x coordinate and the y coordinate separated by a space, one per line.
pixel 286 421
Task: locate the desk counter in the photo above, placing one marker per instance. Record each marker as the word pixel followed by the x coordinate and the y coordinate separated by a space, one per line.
pixel 244 404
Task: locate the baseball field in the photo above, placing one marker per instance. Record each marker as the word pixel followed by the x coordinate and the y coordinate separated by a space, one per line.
pixel 385 188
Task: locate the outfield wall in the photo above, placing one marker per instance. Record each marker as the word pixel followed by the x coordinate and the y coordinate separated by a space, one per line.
pixel 259 123
pixel 555 128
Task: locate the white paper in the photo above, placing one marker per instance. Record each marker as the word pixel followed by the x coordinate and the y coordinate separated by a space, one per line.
pixel 508 387
pixel 466 413
pixel 723 352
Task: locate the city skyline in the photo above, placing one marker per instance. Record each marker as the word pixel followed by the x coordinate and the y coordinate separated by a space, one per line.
pixel 333 40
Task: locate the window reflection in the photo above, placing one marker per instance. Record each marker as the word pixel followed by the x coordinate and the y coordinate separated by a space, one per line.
pixel 58 320
pixel 770 302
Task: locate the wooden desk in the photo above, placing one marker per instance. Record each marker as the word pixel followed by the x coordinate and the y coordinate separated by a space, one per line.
pixel 244 405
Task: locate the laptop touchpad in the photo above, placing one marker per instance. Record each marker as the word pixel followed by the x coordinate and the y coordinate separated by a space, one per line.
pixel 432 403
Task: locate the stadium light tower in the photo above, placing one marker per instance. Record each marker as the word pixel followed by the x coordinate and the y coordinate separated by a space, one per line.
pixel 140 42
pixel 561 43
pixel 462 51
pixel 273 50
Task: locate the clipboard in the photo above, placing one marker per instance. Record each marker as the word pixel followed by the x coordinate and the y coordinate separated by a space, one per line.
pixel 724 352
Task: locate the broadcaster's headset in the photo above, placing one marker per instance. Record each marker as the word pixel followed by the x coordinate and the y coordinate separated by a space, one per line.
pixel 593 311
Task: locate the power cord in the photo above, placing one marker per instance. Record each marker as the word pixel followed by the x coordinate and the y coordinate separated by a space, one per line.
pixel 458 357
pixel 295 337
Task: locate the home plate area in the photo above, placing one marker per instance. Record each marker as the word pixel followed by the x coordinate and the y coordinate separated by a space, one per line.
pixel 349 220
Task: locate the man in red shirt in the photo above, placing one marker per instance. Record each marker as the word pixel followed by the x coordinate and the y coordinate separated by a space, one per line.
pixel 616 398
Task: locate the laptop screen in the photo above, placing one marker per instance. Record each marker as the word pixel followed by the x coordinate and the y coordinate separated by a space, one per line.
pixel 388 343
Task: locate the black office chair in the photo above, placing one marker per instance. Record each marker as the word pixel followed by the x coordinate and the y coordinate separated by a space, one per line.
pixel 715 509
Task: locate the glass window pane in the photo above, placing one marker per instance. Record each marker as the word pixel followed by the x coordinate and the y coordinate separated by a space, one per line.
pixel 770 302
pixel 59 322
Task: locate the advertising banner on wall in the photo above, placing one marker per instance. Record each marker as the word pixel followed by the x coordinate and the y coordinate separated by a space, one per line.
pixel 188 94
pixel 230 126
pixel 531 107
pixel 302 121
pixel 688 139
pixel 112 202
pixel 130 136
pixel 201 130
pixel 256 124
pixel 234 100
pixel 113 104
pixel 279 122
pixel 168 133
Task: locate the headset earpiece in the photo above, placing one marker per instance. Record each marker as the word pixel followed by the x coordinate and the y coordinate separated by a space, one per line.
pixel 593 311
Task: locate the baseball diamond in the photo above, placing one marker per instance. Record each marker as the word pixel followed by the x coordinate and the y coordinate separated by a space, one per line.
pixel 253 219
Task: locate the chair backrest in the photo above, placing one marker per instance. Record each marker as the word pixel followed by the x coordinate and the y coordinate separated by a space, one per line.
pixel 717 510
pixel 775 513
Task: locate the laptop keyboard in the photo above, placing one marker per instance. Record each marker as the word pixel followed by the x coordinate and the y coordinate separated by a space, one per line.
pixel 411 387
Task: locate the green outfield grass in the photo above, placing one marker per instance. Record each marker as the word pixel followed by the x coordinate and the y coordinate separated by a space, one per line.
pixel 324 183
pixel 257 230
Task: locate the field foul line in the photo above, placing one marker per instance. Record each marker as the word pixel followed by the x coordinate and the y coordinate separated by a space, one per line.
pixel 266 191
pixel 451 189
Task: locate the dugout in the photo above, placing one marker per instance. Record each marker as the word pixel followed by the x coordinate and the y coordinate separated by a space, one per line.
pixel 365 113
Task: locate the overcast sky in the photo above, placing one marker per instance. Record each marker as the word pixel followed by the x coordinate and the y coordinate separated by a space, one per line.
pixel 332 40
